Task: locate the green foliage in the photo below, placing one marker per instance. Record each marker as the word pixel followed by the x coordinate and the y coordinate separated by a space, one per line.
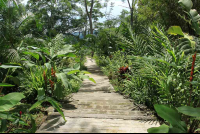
pixel 53 103
pixel 175 30
pixel 172 116
pixel 161 129
pixel 9 101
pixel 193 14
pixel 110 66
pixel 190 111
pixel 6 85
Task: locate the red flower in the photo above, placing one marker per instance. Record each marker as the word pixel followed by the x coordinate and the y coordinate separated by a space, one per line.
pixel 123 70
pixel 193 64
pixel 52 84
pixel 53 73
pixel 20 113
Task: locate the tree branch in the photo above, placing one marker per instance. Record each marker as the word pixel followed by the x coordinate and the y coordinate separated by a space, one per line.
pixel 92 4
pixel 129 4
pixel 86 8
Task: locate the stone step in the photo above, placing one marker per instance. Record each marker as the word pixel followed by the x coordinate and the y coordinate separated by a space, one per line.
pixel 106 112
pixel 102 116
pixel 93 125
pixel 99 107
pixel 99 96
pixel 94 90
pixel 100 102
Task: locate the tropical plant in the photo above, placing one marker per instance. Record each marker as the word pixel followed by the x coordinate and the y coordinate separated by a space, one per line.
pixel 173 117
pixel 9 101
pixel 189 45
pixel 13 19
pixel 10 69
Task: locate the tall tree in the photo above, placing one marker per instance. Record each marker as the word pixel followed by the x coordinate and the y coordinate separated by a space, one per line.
pixel 93 12
pixel 12 19
pixel 54 17
pixel 132 6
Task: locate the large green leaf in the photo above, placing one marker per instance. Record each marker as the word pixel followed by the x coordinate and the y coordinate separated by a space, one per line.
pixel 170 114
pixel 175 30
pixel 66 51
pixel 190 111
pixel 56 106
pixel 48 65
pixel 63 78
pixel 77 66
pixel 9 66
pixel 161 129
pixel 3 126
pixel 58 92
pixel 83 76
pixel 85 72
pixel 195 17
pixel 91 79
pixel 195 20
pixel 73 72
pixel 187 4
pixel 6 85
pixel 10 100
pixel 176 130
pixel 41 93
pixel 38 103
pixel 53 103
pixel 75 77
pixel 6 115
pixel 71 55
pixel 35 55
pixel 34 127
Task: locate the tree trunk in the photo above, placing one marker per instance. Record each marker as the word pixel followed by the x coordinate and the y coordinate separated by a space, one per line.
pixel 132 17
pixel 91 26
pixel 89 14
pixel 131 10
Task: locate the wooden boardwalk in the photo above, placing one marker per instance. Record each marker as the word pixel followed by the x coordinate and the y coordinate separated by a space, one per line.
pixel 96 108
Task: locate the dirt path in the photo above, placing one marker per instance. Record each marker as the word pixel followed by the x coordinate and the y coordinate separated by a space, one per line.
pixel 96 108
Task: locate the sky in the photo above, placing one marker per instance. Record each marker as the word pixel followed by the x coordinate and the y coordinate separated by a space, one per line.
pixel 118 7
